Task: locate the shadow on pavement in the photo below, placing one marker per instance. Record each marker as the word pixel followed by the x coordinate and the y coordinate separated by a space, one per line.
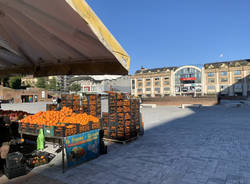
pixel 210 145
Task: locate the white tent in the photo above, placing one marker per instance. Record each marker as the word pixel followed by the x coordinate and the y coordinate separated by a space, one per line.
pixel 56 37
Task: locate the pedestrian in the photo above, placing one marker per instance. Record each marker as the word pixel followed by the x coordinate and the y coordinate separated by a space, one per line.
pixel 59 106
pixel 219 98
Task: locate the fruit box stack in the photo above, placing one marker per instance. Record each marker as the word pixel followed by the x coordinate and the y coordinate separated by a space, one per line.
pixel 72 101
pixel 122 122
pixel 90 104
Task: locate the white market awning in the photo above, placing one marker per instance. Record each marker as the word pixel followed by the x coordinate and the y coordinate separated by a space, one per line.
pixel 57 37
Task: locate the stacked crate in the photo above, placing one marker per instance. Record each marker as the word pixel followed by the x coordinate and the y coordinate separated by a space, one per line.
pixel 72 101
pixel 135 113
pixel 51 107
pixel 91 104
pixel 122 121
pixel 67 100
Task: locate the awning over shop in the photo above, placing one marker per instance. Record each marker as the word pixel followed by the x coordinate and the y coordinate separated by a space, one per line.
pixel 56 37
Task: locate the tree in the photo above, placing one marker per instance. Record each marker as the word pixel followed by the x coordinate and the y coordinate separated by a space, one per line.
pixel 41 82
pixel 52 85
pixel 75 87
pixel 15 82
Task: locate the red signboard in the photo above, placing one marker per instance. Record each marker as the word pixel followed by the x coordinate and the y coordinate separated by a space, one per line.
pixel 188 79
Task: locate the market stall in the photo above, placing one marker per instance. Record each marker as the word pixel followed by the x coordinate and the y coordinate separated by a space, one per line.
pixel 72 131
pixel 45 38
pixel 57 38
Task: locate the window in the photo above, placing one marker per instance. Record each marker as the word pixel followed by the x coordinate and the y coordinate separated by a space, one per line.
pixel 237 79
pixel 166 77
pixel 157 78
pixel 167 89
pixel 211 80
pixel 139 80
pixel 148 89
pixel 210 74
pixel 148 83
pixel 133 84
pixel 223 73
pixel 248 71
pixel 148 79
pixel 211 87
pixel 157 83
pixel 93 88
pixel 237 88
pixel 139 90
pixel 237 72
pixel 223 79
pixel 166 83
pixel 157 89
pixel 140 84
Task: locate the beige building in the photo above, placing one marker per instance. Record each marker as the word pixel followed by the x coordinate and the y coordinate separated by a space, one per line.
pixel 169 81
pixel 225 78
pixel 228 78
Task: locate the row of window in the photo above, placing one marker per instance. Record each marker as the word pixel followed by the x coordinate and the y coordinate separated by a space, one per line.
pixel 156 83
pixel 156 89
pixel 156 79
pixel 224 79
pixel 236 72
pixel 223 87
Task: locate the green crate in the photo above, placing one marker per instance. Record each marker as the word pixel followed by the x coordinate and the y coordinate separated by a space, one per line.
pixel 48 130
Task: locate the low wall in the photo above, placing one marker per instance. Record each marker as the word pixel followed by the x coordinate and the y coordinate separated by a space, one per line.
pixel 178 100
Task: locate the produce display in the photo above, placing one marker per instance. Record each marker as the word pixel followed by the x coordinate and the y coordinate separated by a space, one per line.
pixel 13 115
pixel 59 123
pixel 51 107
pixel 37 161
pixel 90 104
pixel 37 158
pixel 123 120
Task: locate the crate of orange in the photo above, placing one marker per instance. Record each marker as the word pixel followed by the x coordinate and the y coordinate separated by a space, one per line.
pixel 64 121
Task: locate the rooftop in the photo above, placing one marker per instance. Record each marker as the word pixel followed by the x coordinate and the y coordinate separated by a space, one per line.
pixel 235 63
pixel 155 70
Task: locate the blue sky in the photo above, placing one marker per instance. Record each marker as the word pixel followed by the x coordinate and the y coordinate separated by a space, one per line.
pixel 178 32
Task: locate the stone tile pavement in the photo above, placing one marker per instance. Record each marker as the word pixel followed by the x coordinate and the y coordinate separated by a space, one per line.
pixel 180 146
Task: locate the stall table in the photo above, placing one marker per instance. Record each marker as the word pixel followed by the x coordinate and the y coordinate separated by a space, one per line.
pixel 61 142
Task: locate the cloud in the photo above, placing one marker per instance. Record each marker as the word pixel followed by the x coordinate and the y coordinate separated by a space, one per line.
pixel 221 55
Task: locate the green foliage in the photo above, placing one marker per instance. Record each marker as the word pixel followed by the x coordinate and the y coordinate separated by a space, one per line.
pixel 41 82
pixel 75 87
pixel 52 85
pixel 15 82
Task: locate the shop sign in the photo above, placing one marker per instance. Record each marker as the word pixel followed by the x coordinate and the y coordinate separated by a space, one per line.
pixel 82 147
pixel 188 79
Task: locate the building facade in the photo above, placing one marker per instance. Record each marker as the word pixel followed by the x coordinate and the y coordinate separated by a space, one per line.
pixel 228 78
pixel 100 84
pixel 224 78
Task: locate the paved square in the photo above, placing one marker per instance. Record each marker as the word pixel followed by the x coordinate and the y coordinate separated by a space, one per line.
pixel 210 145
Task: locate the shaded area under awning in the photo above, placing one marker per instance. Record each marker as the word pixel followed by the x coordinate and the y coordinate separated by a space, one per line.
pixel 56 38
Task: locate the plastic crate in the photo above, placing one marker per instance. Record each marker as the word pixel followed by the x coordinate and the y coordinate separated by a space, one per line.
pixel 15 172
pixel 14 160
pixel 48 130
